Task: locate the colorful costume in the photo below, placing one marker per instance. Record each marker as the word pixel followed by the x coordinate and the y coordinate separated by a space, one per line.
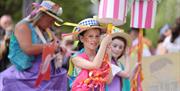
pixel 119 83
pixel 21 76
pixel 81 79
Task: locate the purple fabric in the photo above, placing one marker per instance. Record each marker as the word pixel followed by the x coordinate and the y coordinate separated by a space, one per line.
pixel 13 80
pixel 116 84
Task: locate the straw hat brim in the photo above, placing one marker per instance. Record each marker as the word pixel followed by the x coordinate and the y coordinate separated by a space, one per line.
pixel 84 28
pixel 123 35
pixel 54 16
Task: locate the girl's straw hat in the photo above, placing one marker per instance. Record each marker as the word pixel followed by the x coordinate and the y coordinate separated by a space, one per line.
pixel 87 24
pixel 116 32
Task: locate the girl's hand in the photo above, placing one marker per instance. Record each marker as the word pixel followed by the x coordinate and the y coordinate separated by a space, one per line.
pixel 106 40
pixel 126 53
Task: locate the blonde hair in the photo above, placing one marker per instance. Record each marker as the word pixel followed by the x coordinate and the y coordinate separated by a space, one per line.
pixel 35 17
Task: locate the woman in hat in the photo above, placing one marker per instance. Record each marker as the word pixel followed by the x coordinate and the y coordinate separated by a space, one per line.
pixel 171 44
pixel 89 56
pixel 119 48
pixel 31 35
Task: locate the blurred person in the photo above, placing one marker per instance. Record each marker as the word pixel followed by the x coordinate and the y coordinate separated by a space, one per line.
pixel 2 50
pixel 27 43
pixel 4 60
pixel 68 43
pixel 134 32
pixel 2 33
pixel 171 43
pixel 165 31
pixel 6 23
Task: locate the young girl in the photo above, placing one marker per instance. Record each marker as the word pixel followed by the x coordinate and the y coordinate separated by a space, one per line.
pixel 89 57
pixel 119 48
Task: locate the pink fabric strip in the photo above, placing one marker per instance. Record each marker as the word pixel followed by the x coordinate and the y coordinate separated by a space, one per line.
pixel 149 14
pixel 98 8
pixel 133 14
pixel 140 14
pixel 116 9
pixel 104 8
pixel 139 82
pixel 125 8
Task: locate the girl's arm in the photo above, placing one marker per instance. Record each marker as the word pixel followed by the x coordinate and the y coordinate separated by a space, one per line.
pixel 110 75
pixel 96 63
pixel 126 71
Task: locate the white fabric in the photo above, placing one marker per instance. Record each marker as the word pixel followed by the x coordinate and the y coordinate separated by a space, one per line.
pixel 115 69
pixel 172 47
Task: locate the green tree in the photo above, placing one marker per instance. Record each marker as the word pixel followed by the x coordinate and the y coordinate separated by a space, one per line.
pixel 11 7
pixel 74 11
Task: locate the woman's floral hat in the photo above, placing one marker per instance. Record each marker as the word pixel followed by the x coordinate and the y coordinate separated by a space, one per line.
pixel 87 24
pixel 52 9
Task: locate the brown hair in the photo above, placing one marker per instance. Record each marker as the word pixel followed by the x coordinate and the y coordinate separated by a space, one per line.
pixel 175 30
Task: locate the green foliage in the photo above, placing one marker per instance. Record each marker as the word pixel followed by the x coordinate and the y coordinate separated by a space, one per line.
pixel 11 7
pixel 74 11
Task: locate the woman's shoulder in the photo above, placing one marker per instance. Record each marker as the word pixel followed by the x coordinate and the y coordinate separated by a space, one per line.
pixel 24 23
pixel 21 25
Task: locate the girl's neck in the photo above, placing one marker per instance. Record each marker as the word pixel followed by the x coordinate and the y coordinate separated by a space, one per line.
pixel 90 53
pixel 115 59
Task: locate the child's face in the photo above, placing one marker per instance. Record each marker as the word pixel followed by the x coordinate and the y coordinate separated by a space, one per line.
pixel 117 47
pixel 91 39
